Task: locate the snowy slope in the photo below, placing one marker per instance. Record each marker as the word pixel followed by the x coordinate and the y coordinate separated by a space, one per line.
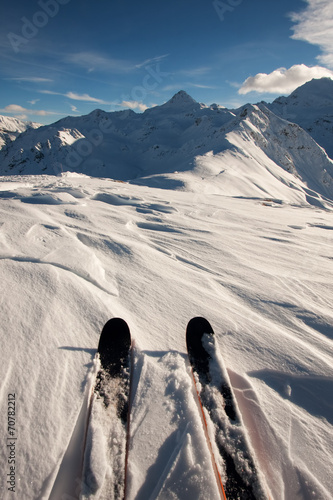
pixel 10 128
pixel 180 142
pixel 75 251
pixel 311 107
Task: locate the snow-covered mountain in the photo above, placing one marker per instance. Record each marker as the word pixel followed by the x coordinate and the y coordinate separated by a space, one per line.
pixel 10 128
pixel 245 152
pixel 311 107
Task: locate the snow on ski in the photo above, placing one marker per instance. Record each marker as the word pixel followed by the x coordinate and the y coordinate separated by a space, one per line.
pixel 239 477
pixel 106 447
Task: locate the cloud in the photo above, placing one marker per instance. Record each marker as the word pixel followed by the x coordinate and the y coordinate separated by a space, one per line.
pixel 92 61
pixel 193 72
pixel 134 105
pixel 76 97
pixel 32 79
pixel 16 109
pixel 315 25
pixel 152 60
pixel 83 97
pixel 283 80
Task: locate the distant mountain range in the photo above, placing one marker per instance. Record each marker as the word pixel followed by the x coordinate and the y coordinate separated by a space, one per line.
pixel 275 150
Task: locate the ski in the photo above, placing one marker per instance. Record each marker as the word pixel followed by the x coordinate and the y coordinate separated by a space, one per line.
pixel 235 470
pixel 109 412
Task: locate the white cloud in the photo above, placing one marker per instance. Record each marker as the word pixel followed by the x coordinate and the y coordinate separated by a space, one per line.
pixel 76 97
pixel 315 25
pixel 134 105
pixel 83 97
pixel 19 111
pixel 283 80
pixel 31 79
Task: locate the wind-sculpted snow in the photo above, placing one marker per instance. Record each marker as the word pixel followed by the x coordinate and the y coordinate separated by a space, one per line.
pixel 76 251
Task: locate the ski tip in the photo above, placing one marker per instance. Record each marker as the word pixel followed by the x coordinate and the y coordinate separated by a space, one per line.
pixel 198 356
pixel 199 325
pixel 114 343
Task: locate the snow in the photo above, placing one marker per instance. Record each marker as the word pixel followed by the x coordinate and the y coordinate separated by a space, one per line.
pixel 76 250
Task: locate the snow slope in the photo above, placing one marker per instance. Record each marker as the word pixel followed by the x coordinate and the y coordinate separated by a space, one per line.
pixel 311 107
pixel 75 251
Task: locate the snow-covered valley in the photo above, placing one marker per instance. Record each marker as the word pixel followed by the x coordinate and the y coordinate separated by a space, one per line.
pixel 76 251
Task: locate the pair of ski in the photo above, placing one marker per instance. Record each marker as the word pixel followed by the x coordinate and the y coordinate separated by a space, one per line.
pixel 238 477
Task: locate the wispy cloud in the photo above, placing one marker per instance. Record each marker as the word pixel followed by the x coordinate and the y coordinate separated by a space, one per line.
pixel 84 97
pixel 92 61
pixel 186 85
pixel 202 86
pixel 194 72
pixel 314 24
pixel 153 60
pixel 31 79
pixel 76 97
pixel 283 80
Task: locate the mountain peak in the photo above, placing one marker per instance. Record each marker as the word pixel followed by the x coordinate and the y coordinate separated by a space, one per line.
pixel 182 97
pixel 182 100
pixel 317 85
pixel 316 93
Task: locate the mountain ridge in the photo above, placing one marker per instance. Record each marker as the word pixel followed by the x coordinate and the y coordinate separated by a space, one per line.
pixel 250 151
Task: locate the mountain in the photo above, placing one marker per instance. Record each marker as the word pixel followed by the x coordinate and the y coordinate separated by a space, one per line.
pixel 311 107
pixel 248 152
pixel 10 128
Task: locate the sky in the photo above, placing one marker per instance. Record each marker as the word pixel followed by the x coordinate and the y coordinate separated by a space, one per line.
pixel 69 57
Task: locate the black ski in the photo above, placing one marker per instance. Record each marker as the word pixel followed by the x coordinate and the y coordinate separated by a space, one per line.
pixel 110 410
pixel 240 477
pixel 114 352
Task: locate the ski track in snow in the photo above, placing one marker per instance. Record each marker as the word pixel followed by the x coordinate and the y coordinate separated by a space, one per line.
pixel 75 251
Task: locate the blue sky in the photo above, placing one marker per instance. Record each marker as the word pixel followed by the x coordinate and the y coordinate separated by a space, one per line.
pixel 68 57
